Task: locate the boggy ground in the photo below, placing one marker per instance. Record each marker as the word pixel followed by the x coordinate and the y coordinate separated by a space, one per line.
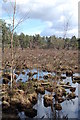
pixel 45 59
pixel 24 95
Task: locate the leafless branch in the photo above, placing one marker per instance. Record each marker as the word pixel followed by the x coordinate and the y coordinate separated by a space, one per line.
pixel 22 19
pixel 66 27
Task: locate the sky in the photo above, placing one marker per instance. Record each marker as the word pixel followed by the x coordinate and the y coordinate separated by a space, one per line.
pixel 44 17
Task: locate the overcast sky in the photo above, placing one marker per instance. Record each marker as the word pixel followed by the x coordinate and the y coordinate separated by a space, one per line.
pixel 45 17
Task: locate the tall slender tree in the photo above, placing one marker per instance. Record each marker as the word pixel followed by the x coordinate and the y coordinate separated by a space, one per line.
pixel 14 11
pixel 22 19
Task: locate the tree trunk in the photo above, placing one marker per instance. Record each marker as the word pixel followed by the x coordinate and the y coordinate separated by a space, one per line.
pixel 12 52
pixel 11 59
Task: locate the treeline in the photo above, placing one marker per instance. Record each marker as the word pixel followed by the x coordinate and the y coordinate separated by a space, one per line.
pixel 27 41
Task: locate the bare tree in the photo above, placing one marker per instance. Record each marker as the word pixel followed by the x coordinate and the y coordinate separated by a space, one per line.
pixel 14 11
pixel 22 19
pixel 66 26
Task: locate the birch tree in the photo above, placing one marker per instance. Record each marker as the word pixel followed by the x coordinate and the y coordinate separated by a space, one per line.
pixel 22 19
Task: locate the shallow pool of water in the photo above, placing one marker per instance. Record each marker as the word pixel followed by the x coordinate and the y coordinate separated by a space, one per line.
pixel 70 108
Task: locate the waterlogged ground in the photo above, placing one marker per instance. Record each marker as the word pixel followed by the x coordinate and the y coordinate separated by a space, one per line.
pixel 62 68
pixel 70 108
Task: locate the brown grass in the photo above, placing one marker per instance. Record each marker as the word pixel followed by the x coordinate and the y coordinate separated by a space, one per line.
pixel 48 59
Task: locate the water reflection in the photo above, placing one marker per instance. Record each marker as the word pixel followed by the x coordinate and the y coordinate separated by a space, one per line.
pixel 70 108
pixel 42 112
